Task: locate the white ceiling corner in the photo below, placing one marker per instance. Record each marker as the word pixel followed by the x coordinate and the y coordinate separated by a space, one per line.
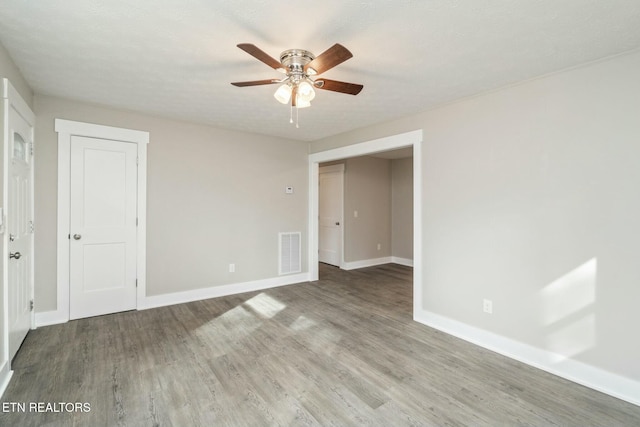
pixel 177 59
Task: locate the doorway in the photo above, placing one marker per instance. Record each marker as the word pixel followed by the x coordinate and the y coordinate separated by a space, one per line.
pixel 101 219
pixel 410 139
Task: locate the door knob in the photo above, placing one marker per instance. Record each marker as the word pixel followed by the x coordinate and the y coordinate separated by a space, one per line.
pixel 77 236
pixel 15 255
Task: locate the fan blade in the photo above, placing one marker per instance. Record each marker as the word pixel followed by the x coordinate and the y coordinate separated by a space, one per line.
pixel 260 55
pixel 294 96
pixel 328 59
pixel 336 86
pixel 256 83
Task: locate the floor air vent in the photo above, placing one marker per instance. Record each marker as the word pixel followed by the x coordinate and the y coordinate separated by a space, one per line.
pixel 290 253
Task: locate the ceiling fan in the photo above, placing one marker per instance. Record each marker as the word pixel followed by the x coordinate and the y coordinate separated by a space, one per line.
pixel 300 67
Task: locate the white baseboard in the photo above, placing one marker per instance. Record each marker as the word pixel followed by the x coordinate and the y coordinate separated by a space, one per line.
pixel 402 261
pixel 573 370
pixel 352 265
pixel 52 317
pixel 219 291
pixel 365 263
pixel 5 376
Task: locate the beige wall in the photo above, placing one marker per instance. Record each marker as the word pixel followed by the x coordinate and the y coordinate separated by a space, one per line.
pixel 531 198
pixel 9 70
pixel 214 197
pixel 367 189
pixel 402 208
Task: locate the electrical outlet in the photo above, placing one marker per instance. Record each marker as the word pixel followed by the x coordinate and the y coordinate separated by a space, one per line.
pixel 487 306
pixel 232 268
pixel 355 214
pixel 379 246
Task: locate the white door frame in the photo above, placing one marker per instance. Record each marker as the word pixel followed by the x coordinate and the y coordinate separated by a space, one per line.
pixel 409 139
pixel 66 129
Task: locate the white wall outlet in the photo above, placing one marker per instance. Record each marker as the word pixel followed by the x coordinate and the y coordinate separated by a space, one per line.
pixel 232 268
pixel 288 189
pixel 379 246
pixel 355 214
pixel 487 306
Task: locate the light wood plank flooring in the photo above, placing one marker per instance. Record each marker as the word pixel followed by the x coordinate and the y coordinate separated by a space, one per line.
pixel 342 351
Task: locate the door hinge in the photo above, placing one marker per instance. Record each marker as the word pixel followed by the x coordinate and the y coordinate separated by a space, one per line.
pixel 136 283
pixel 31 148
pixel 31 305
pixel 31 227
pixel 137 161
pixel 136 222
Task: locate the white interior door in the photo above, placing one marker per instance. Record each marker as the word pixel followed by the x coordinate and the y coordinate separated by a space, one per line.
pixel 330 212
pixel 103 210
pixel 19 228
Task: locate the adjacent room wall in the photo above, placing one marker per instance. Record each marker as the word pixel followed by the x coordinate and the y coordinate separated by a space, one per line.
pixel 367 191
pixel 532 199
pixel 214 197
pixel 402 208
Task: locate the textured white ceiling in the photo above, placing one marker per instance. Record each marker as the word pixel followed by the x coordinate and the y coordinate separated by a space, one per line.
pixel 176 58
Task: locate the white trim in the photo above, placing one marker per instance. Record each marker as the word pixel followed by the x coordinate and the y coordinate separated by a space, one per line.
pixel 219 291
pixel 5 377
pixel 408 139
pixel 66 129
pixel 402 261
pixel 573 370
pixel 352 265
pixel 53 317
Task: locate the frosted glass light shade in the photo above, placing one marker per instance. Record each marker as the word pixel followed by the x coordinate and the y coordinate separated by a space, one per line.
pixel 306 92
pixel 301 103
pixel 283 94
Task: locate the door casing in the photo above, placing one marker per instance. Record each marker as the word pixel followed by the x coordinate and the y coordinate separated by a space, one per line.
pixel 66 129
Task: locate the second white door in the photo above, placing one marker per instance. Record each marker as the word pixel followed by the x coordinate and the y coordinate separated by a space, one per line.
pixel 103 211
pixel 330 212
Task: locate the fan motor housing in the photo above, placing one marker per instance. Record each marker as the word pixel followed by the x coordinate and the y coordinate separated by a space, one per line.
pixel 296 59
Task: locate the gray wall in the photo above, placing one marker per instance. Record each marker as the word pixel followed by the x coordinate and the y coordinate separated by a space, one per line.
pixel 367 189
pixel 214 197
pixel 531 198
pixel 402 208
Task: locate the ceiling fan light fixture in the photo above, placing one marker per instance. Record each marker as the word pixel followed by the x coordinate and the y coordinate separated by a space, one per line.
pixel 306 92
pixel 283 94
pixel 302 103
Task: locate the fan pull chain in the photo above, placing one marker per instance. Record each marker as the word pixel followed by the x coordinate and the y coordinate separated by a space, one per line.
pixel 291 115
pixel 297 110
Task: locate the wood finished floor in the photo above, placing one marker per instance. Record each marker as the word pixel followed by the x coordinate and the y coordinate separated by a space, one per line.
pixel 342 351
